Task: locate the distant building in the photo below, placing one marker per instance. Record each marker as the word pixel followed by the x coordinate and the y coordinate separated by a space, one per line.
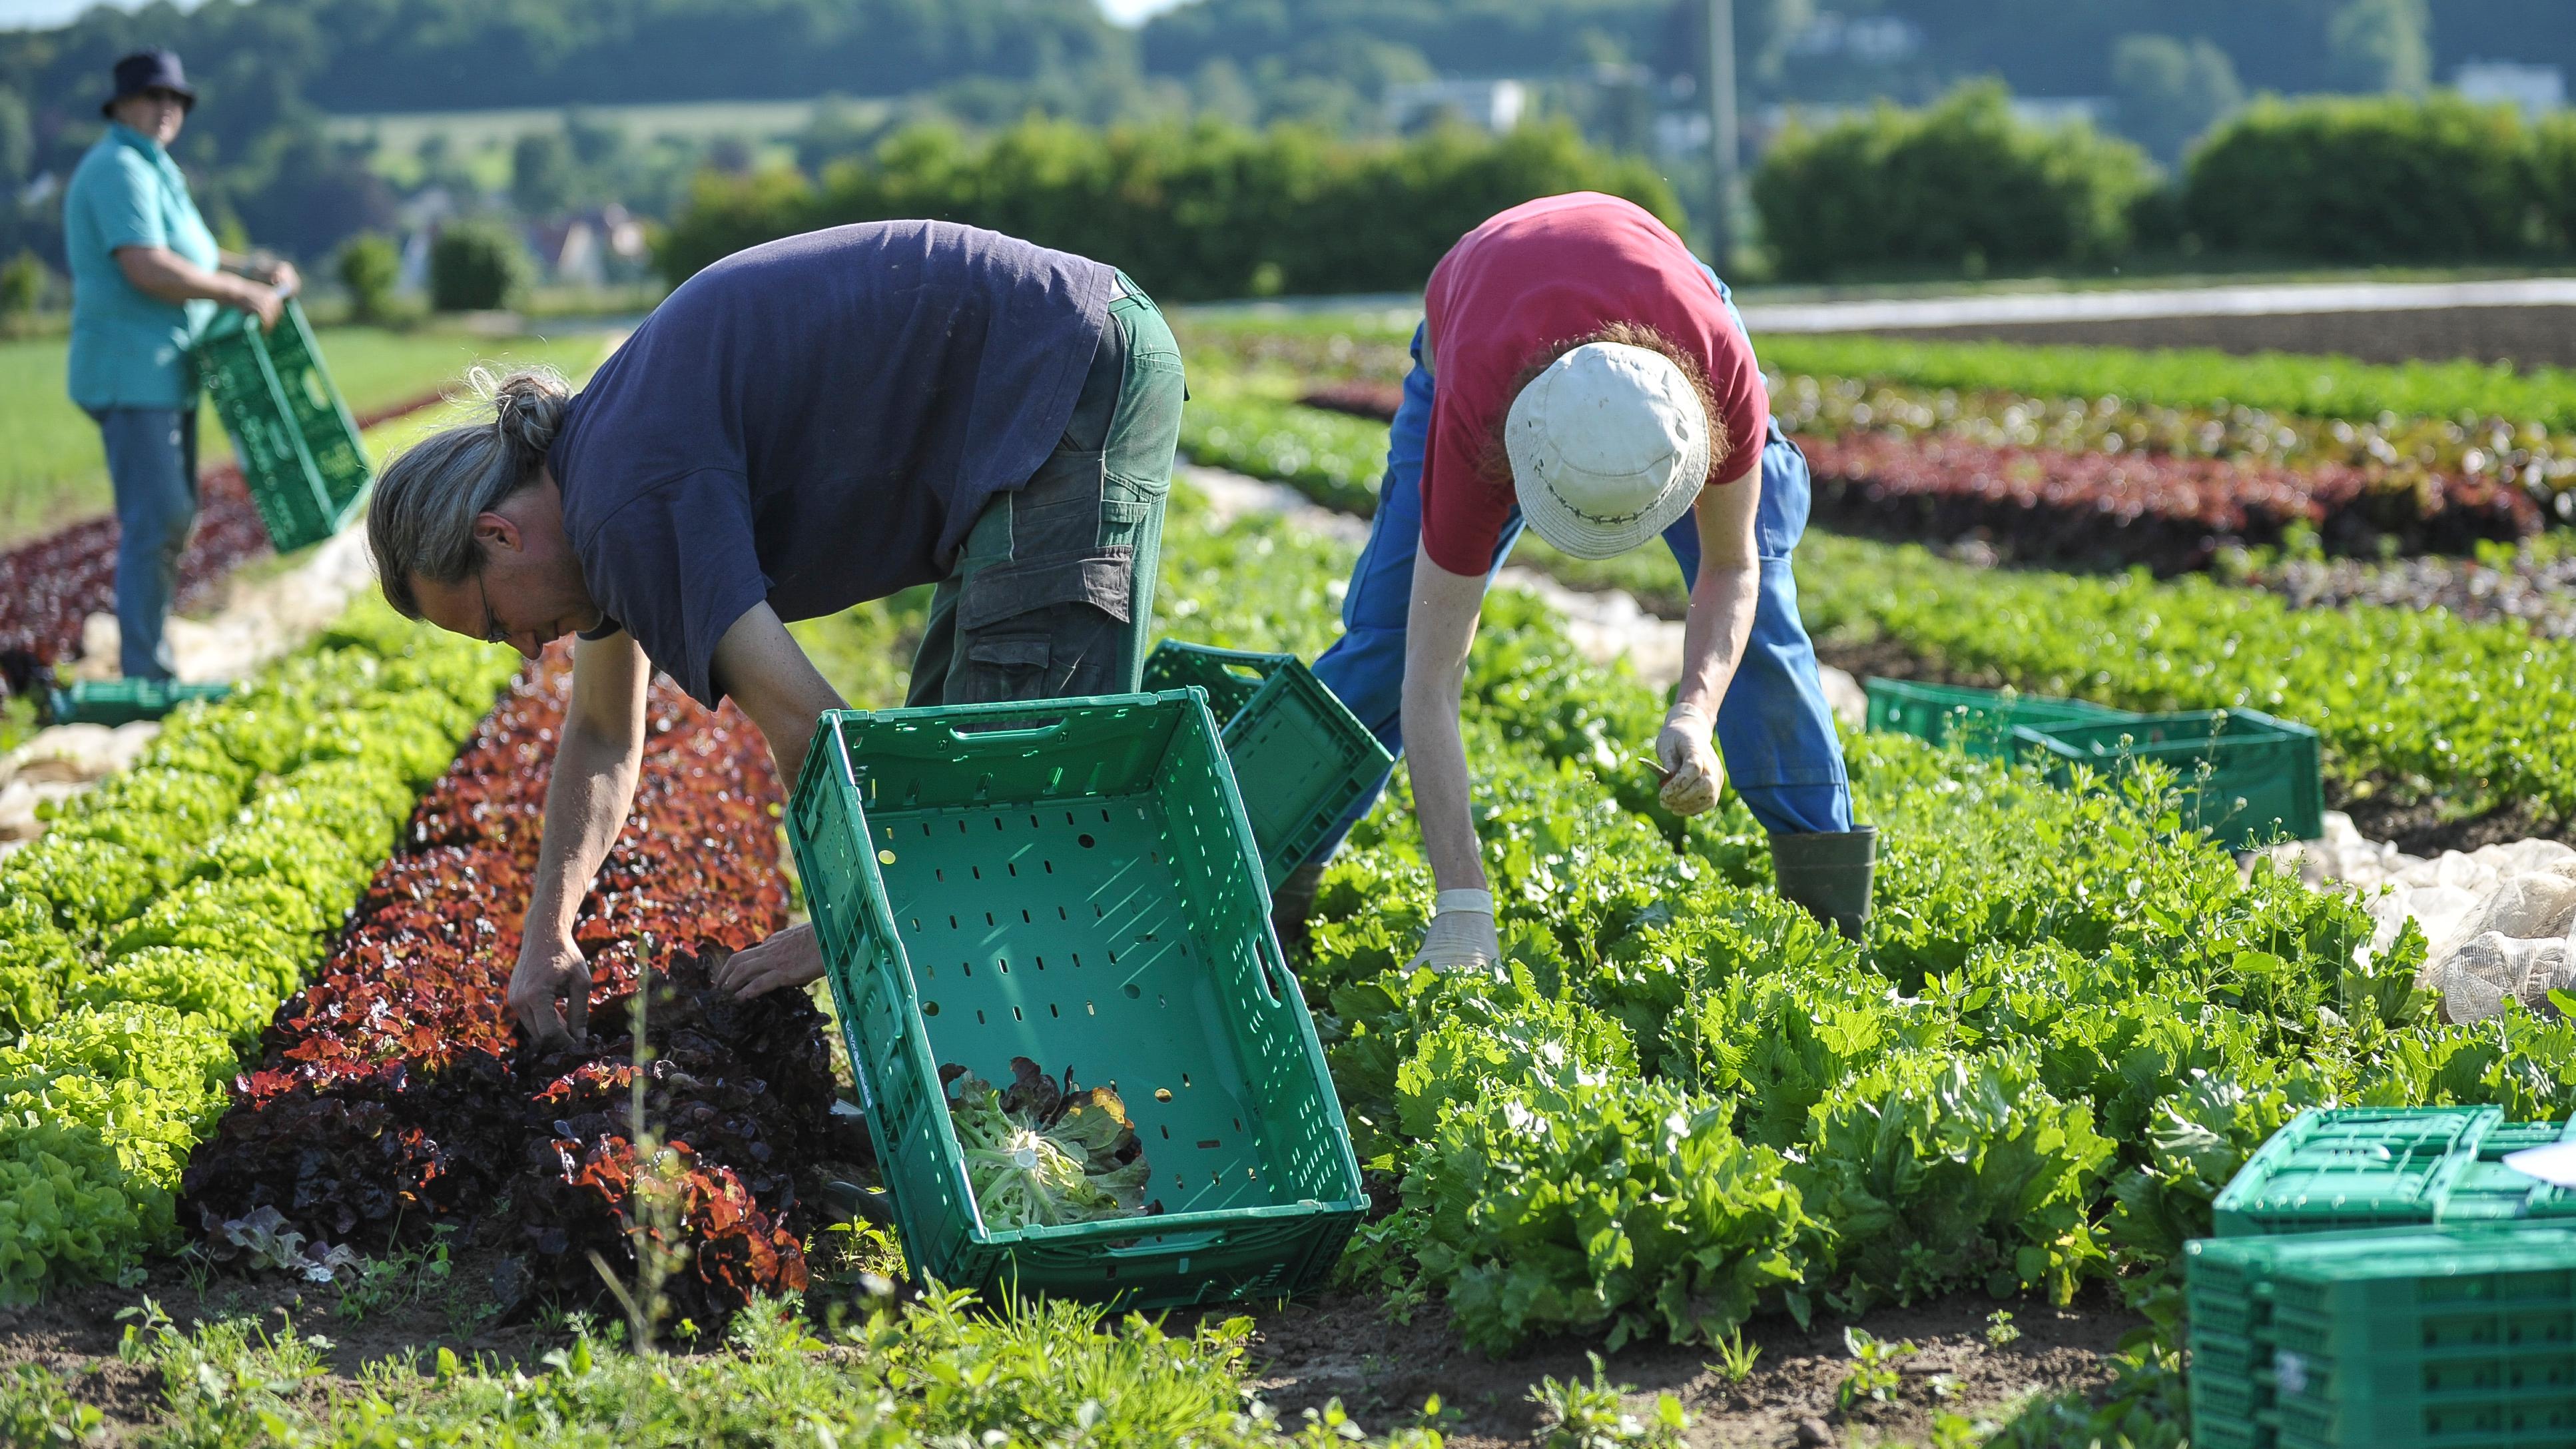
pixel 1868 39
pixel 1493 105
pixel 2058 110
pixel 2535 88
pixel 591 248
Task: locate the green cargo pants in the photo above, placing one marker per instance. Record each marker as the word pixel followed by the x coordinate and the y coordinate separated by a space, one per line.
pixel 1052 595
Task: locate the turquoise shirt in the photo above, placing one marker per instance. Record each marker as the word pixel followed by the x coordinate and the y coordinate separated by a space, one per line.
pixel 129 348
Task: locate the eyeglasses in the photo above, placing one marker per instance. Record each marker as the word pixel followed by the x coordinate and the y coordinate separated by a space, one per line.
pixel 493 633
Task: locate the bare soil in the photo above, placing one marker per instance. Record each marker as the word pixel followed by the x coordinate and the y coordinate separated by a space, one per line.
pixel 75 1331
pixel 1345 1346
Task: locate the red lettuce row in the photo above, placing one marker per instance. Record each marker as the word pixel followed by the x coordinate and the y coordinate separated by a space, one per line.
pixel 152 930
pixel 2170 513
pixel 395 1094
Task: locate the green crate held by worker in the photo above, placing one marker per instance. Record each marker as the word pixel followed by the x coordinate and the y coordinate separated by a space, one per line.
pixel 1301 758
pixel 299 449
pixel 1074 882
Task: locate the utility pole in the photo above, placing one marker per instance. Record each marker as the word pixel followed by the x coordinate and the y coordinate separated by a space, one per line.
pixel 1721 130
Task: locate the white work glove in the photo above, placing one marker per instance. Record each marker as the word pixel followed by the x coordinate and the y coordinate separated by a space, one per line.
pixel 1692 773
pixel 1461 935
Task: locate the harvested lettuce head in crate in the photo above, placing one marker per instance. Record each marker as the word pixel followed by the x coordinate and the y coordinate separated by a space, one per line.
pixel 1040 1153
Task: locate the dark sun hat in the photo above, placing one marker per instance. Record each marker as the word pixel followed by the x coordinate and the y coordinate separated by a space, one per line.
pixel 150 70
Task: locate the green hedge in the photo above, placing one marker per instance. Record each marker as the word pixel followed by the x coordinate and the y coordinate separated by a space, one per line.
pixel 1193 213
pixel 1963 187
pixel 2382 179
pixel 1960 186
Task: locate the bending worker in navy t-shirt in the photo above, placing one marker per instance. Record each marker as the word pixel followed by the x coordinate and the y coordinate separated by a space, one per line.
pixel 799 428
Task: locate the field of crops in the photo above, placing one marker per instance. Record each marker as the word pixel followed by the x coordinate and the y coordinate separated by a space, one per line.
pixel 1930 1187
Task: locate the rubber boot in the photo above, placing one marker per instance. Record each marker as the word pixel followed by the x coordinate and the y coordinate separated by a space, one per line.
pixel 1829 874
pixel 1294 901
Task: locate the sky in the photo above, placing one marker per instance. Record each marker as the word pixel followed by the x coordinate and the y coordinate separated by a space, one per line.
pixel 24 14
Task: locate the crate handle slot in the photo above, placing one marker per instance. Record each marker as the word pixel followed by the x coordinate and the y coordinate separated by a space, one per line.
pixel 1170 1247
pixel 1273 971
pixel 1023 732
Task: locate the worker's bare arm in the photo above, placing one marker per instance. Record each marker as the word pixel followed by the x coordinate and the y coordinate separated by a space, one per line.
pixel 1714 633
pixel 586 801
pixel 759 665
pixel 163 273
pixel 1440 627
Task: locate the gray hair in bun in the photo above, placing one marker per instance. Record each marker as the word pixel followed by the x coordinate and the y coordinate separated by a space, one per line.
pixel 420 524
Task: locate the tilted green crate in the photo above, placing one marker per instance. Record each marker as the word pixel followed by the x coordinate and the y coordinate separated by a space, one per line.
pixel 1301 758
pixel 1073 881
pixel 1980 720
pixel 2331 1169
pixel 299 449
pixel 2243 775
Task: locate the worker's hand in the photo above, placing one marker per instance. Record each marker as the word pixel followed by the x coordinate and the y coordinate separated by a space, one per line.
pixel 550 992
pixel 283 276
pixel 1460 939
pixel 263 302
pixel 793 957
pixel 1692 773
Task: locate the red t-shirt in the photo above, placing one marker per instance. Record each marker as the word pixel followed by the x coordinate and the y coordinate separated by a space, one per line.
pixel 1543 273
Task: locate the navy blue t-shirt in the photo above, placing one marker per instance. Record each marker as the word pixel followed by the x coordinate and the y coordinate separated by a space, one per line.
pixel 817 422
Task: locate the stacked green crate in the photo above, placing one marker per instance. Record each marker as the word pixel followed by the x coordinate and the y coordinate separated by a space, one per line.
pixel 2382 1278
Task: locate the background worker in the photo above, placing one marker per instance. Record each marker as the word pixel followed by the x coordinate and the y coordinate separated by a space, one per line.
pixel 801 427
pixel 1578 371
pixel 146 278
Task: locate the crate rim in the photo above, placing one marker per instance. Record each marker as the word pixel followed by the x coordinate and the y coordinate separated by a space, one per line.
pixel 1191 704
pixel 2044 736
pixel 2290 1136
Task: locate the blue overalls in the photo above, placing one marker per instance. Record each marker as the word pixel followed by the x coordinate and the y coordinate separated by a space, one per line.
pixel 1774 729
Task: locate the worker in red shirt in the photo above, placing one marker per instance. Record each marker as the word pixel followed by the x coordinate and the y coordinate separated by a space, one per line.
pixel 1579 372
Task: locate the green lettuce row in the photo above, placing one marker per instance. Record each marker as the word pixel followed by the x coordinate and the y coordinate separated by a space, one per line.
pixel 149 936
pixel 1333 458
pixel 2067 1027
pixel 2331 387
pixel 2407 702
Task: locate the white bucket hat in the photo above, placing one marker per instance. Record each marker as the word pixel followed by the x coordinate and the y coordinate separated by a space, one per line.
pixel 1608 446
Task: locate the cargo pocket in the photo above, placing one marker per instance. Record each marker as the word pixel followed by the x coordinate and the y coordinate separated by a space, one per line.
pixel 1043 628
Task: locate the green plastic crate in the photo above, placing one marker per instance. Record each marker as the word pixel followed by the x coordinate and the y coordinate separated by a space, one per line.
pixel 2343 1168
pixel 123 701
pixel 2240 1391
pixel 2264 775
pixel 298 445
pixel 1981 720
pixel 1301 758
pixel 2461 1343
pixel 1073 881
